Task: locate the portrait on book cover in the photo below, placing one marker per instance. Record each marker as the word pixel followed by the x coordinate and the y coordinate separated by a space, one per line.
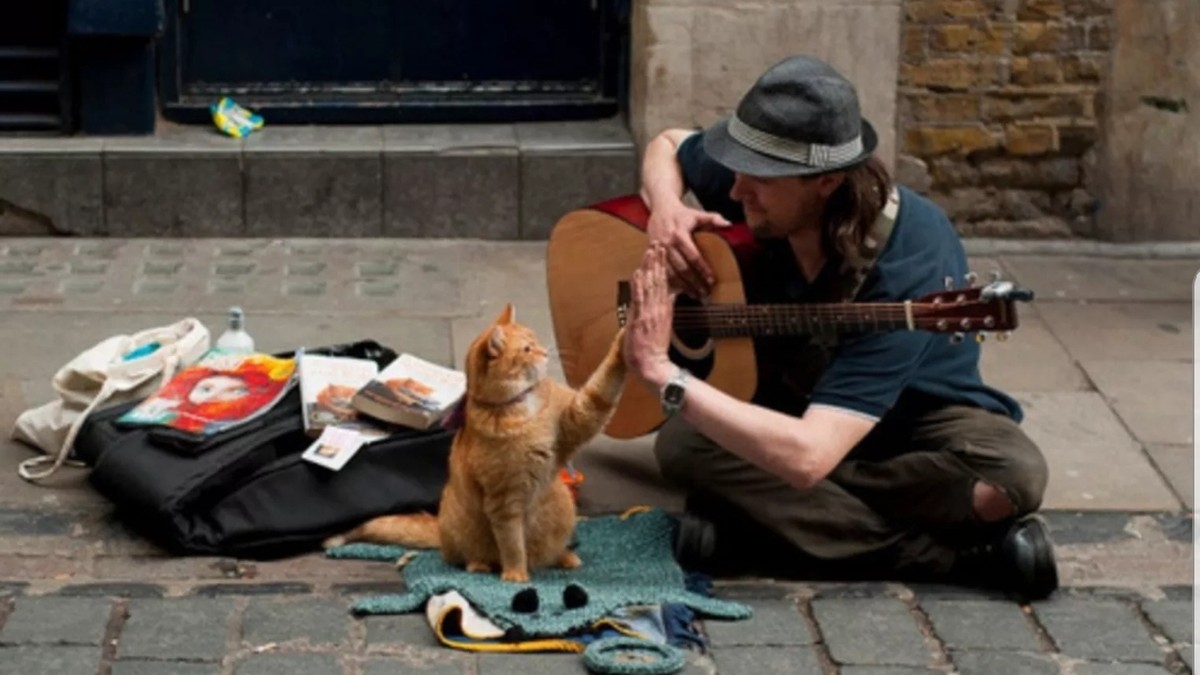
pixel 333 404
pixel 412 392
pixel 217 392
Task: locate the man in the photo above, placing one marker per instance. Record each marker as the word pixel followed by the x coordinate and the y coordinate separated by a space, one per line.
pixel 883 455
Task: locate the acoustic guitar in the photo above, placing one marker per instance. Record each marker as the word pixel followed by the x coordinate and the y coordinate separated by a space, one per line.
pixel 592 253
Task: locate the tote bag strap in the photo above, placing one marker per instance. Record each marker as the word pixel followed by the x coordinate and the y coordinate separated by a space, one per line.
pixel 180 345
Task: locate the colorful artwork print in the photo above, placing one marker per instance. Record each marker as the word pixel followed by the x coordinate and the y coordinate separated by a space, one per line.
pixel 413 393
pixel 219 391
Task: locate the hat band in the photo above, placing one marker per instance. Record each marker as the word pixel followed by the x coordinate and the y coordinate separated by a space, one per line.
pixel 810 154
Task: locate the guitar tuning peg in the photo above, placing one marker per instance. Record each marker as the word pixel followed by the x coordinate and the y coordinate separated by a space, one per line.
pixel 1003 337
pixel 956 338
pixel 995 275
pixel 980 337
pixel 949 283
pixel 971 278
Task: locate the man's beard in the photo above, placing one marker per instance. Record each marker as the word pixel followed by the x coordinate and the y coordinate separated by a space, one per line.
pixel 764 229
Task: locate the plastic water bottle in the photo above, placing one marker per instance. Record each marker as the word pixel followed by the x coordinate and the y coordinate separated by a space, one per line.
pixel 235 338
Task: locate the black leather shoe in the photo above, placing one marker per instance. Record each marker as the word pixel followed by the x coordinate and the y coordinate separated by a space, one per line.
pixel 1020 560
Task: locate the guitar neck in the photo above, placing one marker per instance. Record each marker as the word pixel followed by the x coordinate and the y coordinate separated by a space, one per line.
pixel 801 319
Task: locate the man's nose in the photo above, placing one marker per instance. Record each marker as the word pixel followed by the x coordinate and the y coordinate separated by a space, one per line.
pixel 738 189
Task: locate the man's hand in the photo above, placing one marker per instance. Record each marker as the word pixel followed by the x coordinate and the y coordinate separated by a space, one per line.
pixel 671 226
pixel 648 333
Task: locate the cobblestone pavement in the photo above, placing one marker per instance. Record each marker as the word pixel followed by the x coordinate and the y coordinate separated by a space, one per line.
pixel 855 629
pixel 1102 364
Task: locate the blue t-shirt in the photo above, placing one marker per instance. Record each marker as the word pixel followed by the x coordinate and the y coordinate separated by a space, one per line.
pixel 869 373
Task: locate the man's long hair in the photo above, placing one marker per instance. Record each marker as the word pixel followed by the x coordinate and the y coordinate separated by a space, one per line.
pixel 853 208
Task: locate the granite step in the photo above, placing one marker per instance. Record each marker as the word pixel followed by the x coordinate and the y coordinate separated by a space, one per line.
pixel 492 181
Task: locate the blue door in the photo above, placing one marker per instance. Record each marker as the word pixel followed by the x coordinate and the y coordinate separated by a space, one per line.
pixel 310 61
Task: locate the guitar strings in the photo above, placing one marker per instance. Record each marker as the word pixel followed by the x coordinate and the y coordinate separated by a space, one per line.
pixel 684 317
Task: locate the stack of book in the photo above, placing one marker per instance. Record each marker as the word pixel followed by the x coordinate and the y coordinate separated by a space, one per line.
pixel 348 402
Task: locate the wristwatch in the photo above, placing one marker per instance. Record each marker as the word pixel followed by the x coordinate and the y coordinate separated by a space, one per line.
pixel 672 392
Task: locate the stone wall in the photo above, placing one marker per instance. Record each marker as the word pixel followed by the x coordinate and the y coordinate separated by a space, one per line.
pixel 1150 141
pixel 691 60
pixel 998 109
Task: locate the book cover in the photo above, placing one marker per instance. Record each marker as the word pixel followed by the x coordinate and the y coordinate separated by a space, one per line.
pixel 219 391
pixel 333 448
pixel 327 388
pixel 412 392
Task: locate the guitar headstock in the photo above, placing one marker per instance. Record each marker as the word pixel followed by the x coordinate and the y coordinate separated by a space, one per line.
pixel 971 309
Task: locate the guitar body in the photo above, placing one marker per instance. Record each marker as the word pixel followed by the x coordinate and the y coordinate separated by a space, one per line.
pixel 589 252
pixel 594 251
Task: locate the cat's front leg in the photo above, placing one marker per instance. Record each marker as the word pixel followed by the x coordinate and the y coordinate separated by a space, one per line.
pixel 508 527
pixel 592 404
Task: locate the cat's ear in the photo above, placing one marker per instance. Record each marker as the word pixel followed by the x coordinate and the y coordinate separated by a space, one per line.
pixel 495 345
pixel 507 316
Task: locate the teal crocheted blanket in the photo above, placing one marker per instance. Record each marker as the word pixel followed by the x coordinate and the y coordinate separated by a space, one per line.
pixel 627 560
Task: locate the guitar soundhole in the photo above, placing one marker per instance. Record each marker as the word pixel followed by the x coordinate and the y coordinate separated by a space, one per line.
pixel 691 347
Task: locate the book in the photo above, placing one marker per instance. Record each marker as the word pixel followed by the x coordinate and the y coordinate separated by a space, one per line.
pixel 334 448
pixel 412 392
pixel 327 388
pixel 220 390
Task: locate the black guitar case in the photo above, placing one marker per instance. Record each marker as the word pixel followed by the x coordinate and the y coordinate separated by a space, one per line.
pixel 246 491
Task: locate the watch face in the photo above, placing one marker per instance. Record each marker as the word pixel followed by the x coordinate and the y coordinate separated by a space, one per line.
pixel 673 394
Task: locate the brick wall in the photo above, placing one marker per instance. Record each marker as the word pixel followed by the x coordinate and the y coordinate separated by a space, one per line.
pixel 998 111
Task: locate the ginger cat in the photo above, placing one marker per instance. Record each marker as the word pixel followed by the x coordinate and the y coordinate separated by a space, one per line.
pixel 503 506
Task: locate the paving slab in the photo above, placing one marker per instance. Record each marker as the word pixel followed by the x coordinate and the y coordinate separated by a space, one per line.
pixel 974 624
pixel 774 623
pixel 405 277
pixel 391 666
pixel 1097 630
pixel 1095 278
pixel 767 661
pixel 42 659
pixel 290 664
pixel 1177 464
pixel 191 628
pixel 1119 669
pixel 870 631
pixel 1147 558
pixel 1009 663
pixel 305 621
pixel 1150 396
pixel 1120 330
pixel 1174 618
pixel 57 621
pixel 1031 359
pixel 886 670
pixel 43 341
pixel 145 667
pixel 1093 461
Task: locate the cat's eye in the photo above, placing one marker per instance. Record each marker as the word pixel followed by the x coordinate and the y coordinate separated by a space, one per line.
pixel 528 348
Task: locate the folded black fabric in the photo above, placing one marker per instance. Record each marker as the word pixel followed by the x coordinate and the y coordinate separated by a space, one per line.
pixel 248 492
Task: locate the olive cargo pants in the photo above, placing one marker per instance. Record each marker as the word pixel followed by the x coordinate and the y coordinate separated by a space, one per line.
pixel 899 504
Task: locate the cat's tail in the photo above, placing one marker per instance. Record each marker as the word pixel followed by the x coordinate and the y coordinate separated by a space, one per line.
pixel 415 530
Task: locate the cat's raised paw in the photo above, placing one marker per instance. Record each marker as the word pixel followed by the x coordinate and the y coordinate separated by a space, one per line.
pixel 569 560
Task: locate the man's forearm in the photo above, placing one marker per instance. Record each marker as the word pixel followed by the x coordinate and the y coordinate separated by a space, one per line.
pixel 662 179
pixel 764 437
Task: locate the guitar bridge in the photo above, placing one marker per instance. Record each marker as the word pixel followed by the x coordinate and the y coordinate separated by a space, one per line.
pixel 624 297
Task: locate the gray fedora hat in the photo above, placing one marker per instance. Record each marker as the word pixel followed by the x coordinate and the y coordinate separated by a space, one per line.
pixel 800 118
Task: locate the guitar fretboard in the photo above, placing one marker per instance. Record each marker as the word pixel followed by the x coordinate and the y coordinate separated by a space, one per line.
pixel 771 319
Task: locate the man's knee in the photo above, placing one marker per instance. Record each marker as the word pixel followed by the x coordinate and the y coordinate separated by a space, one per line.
pixel 1025 476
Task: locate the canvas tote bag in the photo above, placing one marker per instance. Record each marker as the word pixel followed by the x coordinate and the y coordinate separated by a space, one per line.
pixel 112 371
